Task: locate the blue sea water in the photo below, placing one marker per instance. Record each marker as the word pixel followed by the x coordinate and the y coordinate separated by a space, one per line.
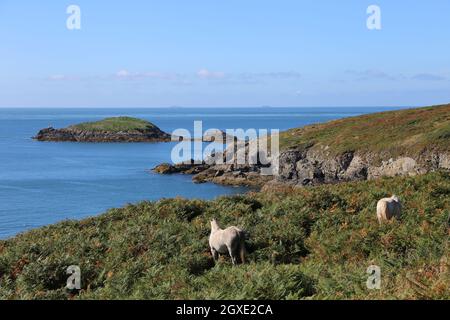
pixel 46 182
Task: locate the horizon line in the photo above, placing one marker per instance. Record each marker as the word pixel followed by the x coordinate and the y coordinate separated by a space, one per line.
pixel 213 107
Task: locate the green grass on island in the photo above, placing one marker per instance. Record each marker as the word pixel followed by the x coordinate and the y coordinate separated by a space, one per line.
pixel 405 132
pixel 115 124
pixel 310 243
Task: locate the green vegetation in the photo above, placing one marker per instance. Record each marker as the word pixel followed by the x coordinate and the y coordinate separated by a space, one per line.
pixel 313 243
pixel 115 124
pixel 396 132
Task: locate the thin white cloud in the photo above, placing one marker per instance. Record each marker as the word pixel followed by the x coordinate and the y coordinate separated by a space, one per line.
pixel 207 74
pixel 282 75
pixel 188 78
pixel 372 74
pixel 57 77
pixel 428 77
pixel 123 73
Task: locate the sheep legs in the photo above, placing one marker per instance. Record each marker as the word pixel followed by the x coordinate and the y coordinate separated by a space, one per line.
pixel 215 254
pixel 232 255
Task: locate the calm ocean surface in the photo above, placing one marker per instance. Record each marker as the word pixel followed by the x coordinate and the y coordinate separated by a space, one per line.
pixel 43 182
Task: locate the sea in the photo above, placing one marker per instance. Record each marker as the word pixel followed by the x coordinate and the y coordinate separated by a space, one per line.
pixel 46 182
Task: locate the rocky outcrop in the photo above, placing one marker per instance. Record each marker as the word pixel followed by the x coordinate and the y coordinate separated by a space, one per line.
pixel 182 168
pixel 314 166
pixel 444 161
pixel 311 166
pixel 71 134
pixel 224 174
pixel 214 135
pixel 231 175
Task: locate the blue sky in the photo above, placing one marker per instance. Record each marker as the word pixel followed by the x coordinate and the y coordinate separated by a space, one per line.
pixel 228 53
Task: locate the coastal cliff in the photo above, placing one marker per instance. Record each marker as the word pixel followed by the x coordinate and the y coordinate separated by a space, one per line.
pixel 396 143
pixel 116 129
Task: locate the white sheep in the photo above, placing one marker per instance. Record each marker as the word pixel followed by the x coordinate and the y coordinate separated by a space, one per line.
pixel 388 208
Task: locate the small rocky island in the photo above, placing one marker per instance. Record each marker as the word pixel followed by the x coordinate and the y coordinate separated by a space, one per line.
pixel 115 129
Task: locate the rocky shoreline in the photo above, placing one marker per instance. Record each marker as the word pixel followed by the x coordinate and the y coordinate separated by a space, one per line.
pixel 76 135
pixel 307 168
pixel 224 174
pixel 150 134
pixel 115 129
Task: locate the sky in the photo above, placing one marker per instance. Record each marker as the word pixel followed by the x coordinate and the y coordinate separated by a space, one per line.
pixel 228 53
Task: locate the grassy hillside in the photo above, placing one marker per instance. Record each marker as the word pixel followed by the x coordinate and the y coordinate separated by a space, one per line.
pixel 115 124
pixel 304 243
pixel 395 132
